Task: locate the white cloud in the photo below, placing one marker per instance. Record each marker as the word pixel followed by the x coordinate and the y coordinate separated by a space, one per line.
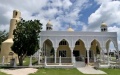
pixel 58 11
pixel 108 12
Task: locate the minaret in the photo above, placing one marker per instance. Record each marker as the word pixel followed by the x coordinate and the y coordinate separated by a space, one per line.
pixel 13 21
pixel 49 26
pixel 6 45
pixel 103 27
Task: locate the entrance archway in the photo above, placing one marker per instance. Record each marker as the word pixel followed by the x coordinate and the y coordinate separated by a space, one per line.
pixel 48 51
pixel 94 50
pixel 79 50
pixel 111 51
pixel 63 49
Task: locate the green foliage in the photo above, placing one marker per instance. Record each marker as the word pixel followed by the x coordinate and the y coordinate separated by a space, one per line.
pixel 3 37
pixel 26 38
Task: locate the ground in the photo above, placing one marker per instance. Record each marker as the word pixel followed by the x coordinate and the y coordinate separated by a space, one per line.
pixel 73 71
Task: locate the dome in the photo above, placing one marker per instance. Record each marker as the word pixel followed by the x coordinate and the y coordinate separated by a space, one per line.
pixel 70 29
pixel 49 23
pixel 103 25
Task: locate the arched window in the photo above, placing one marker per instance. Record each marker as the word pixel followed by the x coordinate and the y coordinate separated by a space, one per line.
pixel 63 43
pixel 77 43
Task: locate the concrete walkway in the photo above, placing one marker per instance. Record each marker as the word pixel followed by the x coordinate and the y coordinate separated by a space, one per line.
pixel 90 70
pixel 22 71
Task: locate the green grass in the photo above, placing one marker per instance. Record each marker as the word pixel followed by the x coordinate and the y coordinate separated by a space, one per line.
pixel 56 71
pixel 73 71
pixel 1 73
pixel 27 61
pixel 112 71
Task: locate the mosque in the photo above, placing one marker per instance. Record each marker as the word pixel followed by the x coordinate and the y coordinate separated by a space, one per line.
pixel 66 44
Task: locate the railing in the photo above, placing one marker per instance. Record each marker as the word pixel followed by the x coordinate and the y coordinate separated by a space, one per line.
pixel 58 60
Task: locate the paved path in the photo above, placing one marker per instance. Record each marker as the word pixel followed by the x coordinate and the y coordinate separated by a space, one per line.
pixel 90 70
pixel 22 71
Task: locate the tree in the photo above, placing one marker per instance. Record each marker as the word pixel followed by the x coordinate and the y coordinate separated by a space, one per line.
pixel 3 37
pixel 26 38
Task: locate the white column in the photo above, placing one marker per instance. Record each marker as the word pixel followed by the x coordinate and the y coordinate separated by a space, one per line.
pixel 39 55
pixel 94 58
pixel 15 62
pixel 118 53
pixel 60 60
pixel 45 60
pixel 108 57
pixel 71 54
pixel 55 53
pixel 3 60
pixel 30 64
pixel 88 57
pixel 101 55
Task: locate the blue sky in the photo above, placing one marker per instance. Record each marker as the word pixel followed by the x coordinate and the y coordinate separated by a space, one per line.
pixel 81 15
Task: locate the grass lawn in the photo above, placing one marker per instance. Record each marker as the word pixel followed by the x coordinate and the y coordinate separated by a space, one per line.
pixel 1 73
pixel 112 71
pixel 73 71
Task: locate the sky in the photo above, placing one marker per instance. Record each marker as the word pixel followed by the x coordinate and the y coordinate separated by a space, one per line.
pixel 81 15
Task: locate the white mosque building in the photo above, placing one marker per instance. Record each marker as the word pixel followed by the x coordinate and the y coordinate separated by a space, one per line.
pixel 66 44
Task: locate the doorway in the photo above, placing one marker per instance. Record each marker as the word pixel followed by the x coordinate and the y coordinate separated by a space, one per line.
pixel 76 53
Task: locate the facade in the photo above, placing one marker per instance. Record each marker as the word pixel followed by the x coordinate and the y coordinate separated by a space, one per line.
pixel 70 43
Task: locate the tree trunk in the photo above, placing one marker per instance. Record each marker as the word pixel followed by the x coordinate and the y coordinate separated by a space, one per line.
pixel 20 61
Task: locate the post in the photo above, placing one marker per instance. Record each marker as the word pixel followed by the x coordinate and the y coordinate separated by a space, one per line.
pixel 94 58
pixel 30 64
pixel 60 60
pixel 118 53
pixel 74 61
pixel 71 54
pixel 55 55
pixel 88 57
pixel 45 60
pixel 39 56
pixel 108 57
pixel 3 60
pixel 15 62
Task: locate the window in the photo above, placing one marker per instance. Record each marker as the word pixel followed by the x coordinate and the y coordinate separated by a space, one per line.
pixel 16 13
pixel 62 53
pixel 63 43
pixel 77 43
pixel 92 43
pixel 104 29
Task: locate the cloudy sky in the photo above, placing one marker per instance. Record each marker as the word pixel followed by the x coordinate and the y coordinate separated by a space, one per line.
pixel 82 15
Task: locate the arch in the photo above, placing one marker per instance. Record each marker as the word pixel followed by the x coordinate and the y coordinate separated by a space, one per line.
pixel 63 50
pixel 47 48
pixel 64 42
pixel 107 43
pixel 48 40
pixel 94 48
pixel 98 40
pixel 79 48
pixel 45 39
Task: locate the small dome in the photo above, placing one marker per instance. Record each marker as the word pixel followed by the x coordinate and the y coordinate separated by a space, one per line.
pixel 70 29
pixel 49 23
pixel 103 25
